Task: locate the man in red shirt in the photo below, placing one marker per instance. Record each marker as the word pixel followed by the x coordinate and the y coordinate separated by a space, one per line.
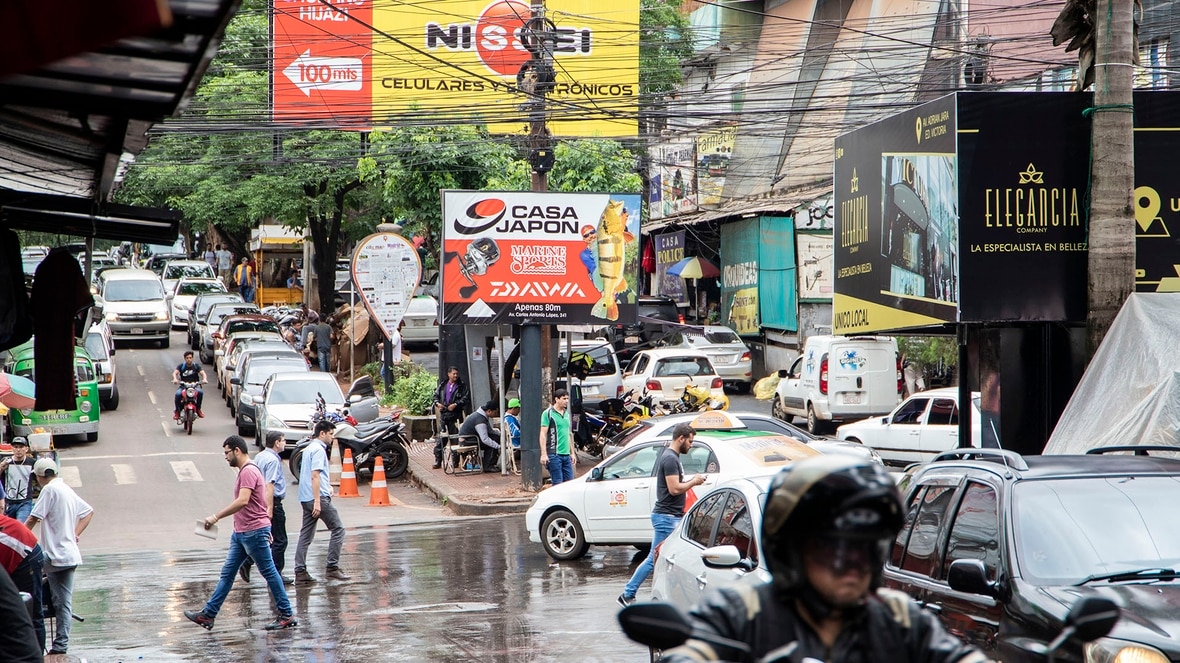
pixel 251 537
pixel 21 556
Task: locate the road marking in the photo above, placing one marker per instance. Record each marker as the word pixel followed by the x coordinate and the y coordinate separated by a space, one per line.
pixel 185 470
pixel 71 476
pixel 170 454
pixel 140 369
pixel 152 397
pixel 123 473
pixel 167 428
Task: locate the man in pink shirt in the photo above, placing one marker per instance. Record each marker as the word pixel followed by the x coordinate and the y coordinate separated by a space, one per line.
pixel 251 537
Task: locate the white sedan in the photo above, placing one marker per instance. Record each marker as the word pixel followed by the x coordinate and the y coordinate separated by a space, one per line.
pixel 612 503
pixel 661 427
pixel 666 372
pixel 726 350
pixel 185 294
pixel 923 426
pixel 420 323
pixel 718 544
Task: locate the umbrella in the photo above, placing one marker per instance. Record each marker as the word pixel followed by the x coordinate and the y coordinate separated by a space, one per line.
pixel 694 268
pixel 16 392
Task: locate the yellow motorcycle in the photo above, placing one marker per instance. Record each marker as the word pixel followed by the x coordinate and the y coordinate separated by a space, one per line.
pixel 700 399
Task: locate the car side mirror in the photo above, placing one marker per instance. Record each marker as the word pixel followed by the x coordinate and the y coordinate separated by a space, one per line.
pixel 257 400
pixel 725 557
pixel 235 381
pixel 970 577
pixel 782 374
pixel 355 398
pixel 1092 617
pixel 596 474
pixel 886 419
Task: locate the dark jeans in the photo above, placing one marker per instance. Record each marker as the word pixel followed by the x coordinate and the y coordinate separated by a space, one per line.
pixel 27 578
pixel 278 533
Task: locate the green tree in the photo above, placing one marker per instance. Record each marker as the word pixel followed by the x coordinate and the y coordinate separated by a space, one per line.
pixel 663 44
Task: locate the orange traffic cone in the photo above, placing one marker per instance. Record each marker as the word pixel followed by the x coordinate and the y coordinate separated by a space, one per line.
pixel 378 493
pixel 348 477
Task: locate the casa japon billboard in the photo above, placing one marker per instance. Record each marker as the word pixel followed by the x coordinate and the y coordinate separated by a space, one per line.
pixel 361 63
pixel 540 258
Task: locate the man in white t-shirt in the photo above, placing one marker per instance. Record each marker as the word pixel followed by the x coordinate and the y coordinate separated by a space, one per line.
pixel 63 517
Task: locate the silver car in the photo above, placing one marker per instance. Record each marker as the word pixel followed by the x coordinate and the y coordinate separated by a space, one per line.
pixel 288 402
pixel 248 381
pixel 727 352
pixel 135 305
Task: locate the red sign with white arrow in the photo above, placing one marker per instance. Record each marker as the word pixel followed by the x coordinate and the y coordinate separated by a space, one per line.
pixel 323 62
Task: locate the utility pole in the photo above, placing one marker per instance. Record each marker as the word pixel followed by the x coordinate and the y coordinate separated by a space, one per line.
pixel 1103 35
pixel 535 79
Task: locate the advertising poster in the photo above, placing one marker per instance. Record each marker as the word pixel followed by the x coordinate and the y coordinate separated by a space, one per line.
pixel 815 266
pixel 672 168
pixel 539 258
pixel 386 269
pixel 1023 217
pixel 1157 193
pixel 896 225
pixel 669 251
pixel 458 59
pixel 714 149
pixel 739 276
pixel 816 215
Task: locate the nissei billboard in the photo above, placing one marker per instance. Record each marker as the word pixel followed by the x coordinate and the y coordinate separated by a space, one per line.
pixel 540 258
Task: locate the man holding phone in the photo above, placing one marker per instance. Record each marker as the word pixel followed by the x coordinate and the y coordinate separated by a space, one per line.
pixel 669 509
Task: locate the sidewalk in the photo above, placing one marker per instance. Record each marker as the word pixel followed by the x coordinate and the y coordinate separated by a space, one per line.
pixel 476 494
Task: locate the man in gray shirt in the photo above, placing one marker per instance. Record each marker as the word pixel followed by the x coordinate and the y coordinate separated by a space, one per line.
pixel 323 342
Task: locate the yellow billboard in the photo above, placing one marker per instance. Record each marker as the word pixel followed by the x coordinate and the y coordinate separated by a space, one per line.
pixel 463 59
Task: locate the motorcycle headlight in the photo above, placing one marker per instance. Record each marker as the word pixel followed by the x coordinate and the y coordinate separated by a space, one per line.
pixel 1109 650
pixel 162 315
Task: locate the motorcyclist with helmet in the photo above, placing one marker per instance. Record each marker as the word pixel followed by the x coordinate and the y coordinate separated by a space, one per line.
pixel 191 372
pixel 827 527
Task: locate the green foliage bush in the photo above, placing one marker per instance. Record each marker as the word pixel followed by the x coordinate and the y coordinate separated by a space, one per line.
pixel 415 391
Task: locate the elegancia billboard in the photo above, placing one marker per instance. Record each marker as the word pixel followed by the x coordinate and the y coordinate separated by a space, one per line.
pixel 540 258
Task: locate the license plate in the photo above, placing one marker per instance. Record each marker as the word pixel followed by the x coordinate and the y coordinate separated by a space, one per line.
pixel 419 323
pixel 852 398
pixel 137 330
pixel 631 339
pixel 589 391
pixel 61 416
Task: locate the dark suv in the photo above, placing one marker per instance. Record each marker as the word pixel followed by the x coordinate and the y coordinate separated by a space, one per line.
pixel 649 326
pixel 999 546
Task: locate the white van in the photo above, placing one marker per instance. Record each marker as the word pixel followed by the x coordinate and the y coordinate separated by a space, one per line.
pixel 135 305
pixel 838 379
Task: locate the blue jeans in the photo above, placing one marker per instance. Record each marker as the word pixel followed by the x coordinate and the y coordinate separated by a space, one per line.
pixel 323 357
pixel 247 293
pixel 27 578
pixel 18 510
pixel 256 544
pixel 61 588
pixel 663 524
pixel 561 468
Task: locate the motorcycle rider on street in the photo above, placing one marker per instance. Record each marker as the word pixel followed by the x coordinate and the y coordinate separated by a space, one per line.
pixel 827 527
pixel 189 371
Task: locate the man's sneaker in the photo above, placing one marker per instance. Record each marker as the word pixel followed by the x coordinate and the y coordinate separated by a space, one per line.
pixel 244 572
pixel 335 573
pixel 176 415
pixel 200 619
pixel 200 415
pixel 624 600
pixel 288 580
pixel 303 576
pixel 282 623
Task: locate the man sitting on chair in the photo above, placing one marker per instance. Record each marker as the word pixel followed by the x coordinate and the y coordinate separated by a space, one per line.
pixel 478 426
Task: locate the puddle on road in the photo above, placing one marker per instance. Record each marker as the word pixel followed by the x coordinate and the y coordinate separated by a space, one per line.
pixel 437 607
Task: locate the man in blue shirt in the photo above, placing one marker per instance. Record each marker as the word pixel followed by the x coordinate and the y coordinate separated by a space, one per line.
pixel 315 496
pixel 512 419
pixel 271 464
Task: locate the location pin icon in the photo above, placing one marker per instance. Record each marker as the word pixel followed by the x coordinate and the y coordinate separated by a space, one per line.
pixel 918 130
pixel 1147 206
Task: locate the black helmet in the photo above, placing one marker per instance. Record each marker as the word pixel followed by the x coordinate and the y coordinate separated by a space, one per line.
pixel 833 495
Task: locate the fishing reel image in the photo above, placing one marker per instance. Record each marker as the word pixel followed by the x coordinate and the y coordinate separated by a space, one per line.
pixel 481 254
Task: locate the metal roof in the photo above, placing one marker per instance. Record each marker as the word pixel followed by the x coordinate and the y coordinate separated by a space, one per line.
pixel 69 128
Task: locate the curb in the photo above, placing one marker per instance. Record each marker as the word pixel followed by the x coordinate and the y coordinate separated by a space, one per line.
pixel 462 505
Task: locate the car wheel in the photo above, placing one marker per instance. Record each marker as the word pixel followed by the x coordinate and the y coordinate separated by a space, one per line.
pixel 814 425
pixel 562 536
pixel 776 409
pixel 296 462
pixel 92 437
pixel 166 342
pixel 112 403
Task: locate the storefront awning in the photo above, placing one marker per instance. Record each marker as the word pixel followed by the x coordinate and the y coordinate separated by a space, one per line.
pixel 782 202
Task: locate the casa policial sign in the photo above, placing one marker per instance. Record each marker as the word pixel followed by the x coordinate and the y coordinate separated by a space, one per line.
pixel 540 258
pixel 386 270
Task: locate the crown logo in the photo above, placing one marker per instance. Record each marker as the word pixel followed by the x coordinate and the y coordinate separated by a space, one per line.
pixel 1031 175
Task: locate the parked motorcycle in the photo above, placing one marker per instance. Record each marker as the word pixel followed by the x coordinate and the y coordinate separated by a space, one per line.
pixel 614 416
pixel 662 626
pixel 699 399
pixel 188 405
pixel 384 437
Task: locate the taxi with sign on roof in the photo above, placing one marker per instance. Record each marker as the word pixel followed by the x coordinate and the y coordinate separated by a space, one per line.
pixel 612 503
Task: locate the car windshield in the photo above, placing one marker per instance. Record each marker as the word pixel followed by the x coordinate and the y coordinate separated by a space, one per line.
pixel 683 366
pixel 142 290
pixel 722 336
pixel 601 354
pixel 216 315
pixel 290 392
pixel 96 346
pixel 189 271
pixel 1069 529
pixel 258 373
pixel 198 287
pixel 207 303
pixel 236 326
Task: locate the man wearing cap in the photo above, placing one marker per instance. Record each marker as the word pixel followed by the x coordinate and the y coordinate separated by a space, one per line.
pixel 557 449
pixel 478 425
pixel 16 478
pixel 512 421
pixel 63 517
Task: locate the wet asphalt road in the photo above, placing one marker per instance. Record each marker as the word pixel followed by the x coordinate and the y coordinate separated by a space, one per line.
pixel 466 589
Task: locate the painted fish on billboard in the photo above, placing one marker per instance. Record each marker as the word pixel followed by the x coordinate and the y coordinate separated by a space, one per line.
pixel 608 254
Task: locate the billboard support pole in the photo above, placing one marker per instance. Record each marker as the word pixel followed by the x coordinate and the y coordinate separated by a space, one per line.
pixel 536 79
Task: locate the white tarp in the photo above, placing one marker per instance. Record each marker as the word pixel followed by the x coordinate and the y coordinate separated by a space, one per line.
pixel 1130 393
